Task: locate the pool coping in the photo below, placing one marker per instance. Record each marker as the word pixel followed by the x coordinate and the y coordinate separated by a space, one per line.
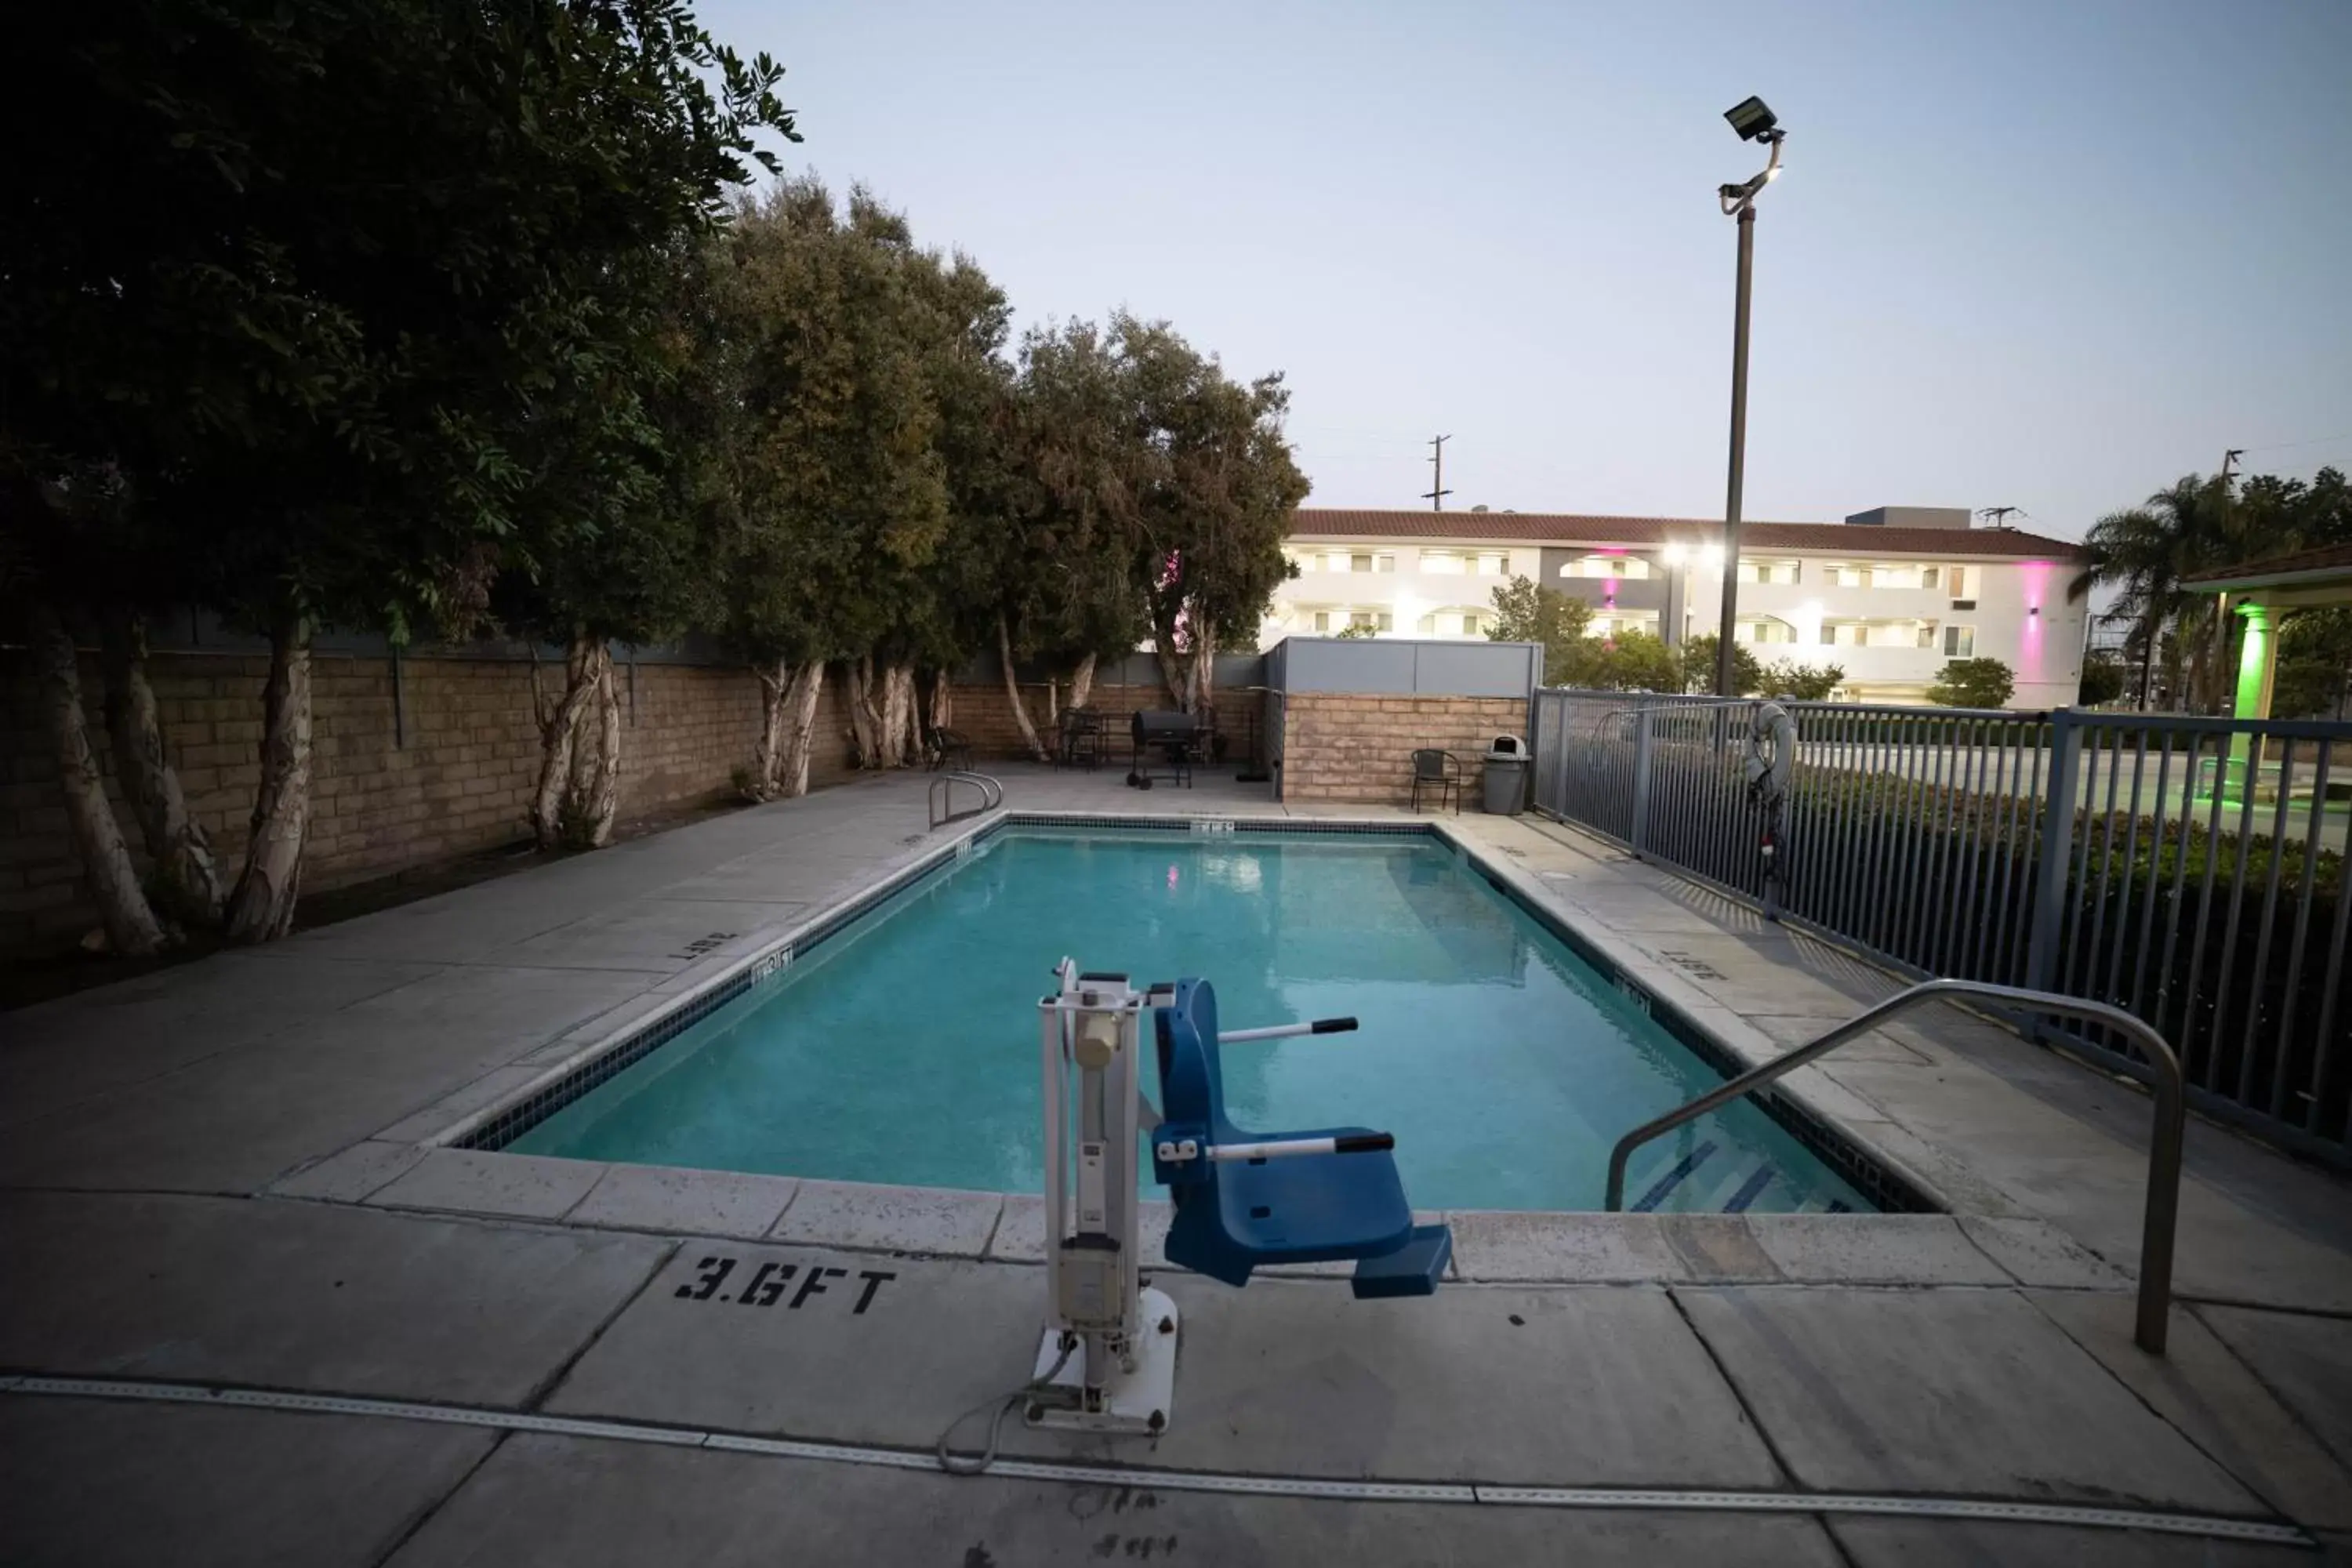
pixel 435 1159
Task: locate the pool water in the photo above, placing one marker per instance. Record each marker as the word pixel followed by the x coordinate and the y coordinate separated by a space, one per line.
pixel 905 1047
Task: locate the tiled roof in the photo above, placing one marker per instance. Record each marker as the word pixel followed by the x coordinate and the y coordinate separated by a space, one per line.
pixel 2331 559
pixel 1572 528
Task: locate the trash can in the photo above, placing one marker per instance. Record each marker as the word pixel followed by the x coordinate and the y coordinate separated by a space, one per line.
pixel 1507 776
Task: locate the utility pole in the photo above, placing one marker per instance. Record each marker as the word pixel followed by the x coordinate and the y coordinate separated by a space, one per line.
pixel 1998 516
pixel 1437 492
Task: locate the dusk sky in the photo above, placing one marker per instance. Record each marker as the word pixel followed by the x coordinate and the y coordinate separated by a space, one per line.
pixel 2050 256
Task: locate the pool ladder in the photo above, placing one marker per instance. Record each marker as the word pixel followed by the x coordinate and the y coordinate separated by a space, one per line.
pixel 2162 1215
pixel 943 806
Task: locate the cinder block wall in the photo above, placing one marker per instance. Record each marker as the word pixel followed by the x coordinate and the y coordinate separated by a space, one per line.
pixel 456 780
pixel 453 778
pixel 1359 749
pixel 984 716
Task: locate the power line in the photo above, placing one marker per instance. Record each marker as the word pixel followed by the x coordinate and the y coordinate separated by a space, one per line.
pixel 2282 446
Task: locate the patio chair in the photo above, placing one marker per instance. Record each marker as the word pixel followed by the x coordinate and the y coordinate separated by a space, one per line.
pixel 1081 738
pixel 946 748
pixel 1440 770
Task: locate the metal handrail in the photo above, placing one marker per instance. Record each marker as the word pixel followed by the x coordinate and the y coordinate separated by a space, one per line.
pixel 992 795
pixel 2163 1211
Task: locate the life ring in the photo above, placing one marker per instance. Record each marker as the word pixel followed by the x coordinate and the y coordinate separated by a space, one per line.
pixel 1772 754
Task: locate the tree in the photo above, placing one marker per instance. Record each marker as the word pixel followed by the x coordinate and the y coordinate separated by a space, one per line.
pixel 342 407
pixel 1066 590
pixel 1630 661
pixel 2314 679
pixel 1801 682
pixel 1698 667
pixel 841 491
pixel 1527 611
pixel 2147 550
pixel 1218 487
pixel 2103 681
pixel 1973 683
pixel 1357 631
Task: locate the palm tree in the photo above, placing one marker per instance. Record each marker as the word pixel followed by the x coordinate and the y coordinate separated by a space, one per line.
pixel 2146 551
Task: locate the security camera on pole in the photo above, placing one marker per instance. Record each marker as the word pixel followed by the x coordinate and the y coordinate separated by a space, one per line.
pixel 1753 122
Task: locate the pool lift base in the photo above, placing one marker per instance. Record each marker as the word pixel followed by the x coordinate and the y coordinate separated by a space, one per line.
pixel 1106 1359
pixel 1136 1396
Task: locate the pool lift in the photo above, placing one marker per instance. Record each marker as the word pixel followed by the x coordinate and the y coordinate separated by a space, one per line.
pixel 1107 1363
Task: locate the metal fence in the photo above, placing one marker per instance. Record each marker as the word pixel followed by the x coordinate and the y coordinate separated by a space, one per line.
pixel 2191 871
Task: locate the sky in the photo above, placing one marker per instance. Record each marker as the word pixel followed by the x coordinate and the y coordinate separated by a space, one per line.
pixel 2050 256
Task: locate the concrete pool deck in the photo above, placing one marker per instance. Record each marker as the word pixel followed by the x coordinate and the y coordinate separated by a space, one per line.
pixel 222 1177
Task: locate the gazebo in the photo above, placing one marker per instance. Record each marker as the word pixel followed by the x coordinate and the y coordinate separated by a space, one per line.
pixel 2258 590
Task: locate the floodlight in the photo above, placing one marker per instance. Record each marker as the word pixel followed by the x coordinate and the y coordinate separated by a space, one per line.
pixel 1751 118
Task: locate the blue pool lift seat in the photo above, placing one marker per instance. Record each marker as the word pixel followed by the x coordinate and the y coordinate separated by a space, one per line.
pixel 1235 1216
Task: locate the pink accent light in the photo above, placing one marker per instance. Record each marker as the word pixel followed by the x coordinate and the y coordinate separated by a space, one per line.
pixel 2028 655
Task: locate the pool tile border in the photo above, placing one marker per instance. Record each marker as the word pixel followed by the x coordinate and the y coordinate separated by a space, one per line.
pixel 494 1128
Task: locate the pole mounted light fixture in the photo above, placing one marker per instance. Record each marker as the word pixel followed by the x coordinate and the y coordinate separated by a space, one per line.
pixel 1753 121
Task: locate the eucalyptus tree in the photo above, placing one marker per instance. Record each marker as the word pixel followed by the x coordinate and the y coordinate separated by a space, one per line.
pixel 379 283
pixel 840 488
pixel 1218 486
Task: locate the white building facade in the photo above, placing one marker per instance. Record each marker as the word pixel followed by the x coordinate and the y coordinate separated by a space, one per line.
pixel 1890 596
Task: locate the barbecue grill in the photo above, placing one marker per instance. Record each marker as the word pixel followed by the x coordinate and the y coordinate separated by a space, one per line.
pixel 1172 739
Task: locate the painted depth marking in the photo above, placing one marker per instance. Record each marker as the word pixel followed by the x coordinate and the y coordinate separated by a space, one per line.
pixel 1474 1493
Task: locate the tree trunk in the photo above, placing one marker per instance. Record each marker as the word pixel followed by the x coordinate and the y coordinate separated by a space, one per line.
pixel 942 699
pixel 262 906
pixel 1204 667
pixel 1173 672
pixel 186 883
pixel 1013 692
pixel 559 737
pixel 898 720
pixel 865 722
pixel 767 757
pixel 1082 682
pixel 2147 662
pixel 595 800
pixel 131 924
pixel 791 776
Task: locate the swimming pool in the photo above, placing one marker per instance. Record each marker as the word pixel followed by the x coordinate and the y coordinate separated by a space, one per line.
pixel 903 1046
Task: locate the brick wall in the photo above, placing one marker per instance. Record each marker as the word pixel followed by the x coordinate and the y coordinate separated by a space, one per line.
pixel 457 780
pixel 1359 749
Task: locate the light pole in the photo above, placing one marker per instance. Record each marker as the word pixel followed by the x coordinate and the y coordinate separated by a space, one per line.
pixel 1753 122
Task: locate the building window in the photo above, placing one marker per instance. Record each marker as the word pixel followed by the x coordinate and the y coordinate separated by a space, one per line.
pixel 1492 562
pixel 1371 620
pixel 1305 562
pixel 1752 571
pixel 1847 576
pixel 1453 623
pixel 1926 633
pixel 1633 568
pixel 1322 620
pixel 1960 582
pixel 1930 576
pixel 1959 642
pixel 1367 562
pixel 1765 629
pixel 1442 563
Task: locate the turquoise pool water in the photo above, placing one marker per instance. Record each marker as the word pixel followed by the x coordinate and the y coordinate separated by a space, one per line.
pixel 904 1049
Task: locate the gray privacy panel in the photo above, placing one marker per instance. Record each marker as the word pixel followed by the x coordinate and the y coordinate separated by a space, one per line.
pixel 1395 666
